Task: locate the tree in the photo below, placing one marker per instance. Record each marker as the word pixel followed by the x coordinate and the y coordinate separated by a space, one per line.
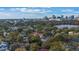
pixel 34 47
pixel 46 44
pixel 13 36
pixel 35 39
pixel 57 46
pixel 46 18
pixel 58 37
pixel 20 30
pixel 54 43
pixel 20 49
pixel 1 38
pixel 39 27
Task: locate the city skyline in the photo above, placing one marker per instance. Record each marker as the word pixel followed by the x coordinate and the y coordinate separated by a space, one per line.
pixel 35 12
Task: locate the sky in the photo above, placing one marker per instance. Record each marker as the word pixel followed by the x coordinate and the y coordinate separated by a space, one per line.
pixel 35 12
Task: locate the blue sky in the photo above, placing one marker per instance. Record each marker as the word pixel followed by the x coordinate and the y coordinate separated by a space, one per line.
pixel 35 12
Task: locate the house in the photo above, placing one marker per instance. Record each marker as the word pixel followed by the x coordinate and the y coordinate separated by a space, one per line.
pixel 75 40
pixel 43 49
pixel 71 33
pixel 3 46
pixel 5 34
pixel 44 38
pixel 38 34
pixel 25 39
pixel 67 48
pixel 13 28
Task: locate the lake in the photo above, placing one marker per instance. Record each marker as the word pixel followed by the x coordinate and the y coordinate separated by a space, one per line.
pixel 67 26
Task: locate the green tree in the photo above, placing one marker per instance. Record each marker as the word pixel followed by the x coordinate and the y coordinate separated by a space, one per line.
pixel 13 36
pixel 34 47
pixel 57 46
pixel 35 39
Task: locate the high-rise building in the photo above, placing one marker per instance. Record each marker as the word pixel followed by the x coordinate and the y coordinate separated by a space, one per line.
pixel 71 17
pixel 54 17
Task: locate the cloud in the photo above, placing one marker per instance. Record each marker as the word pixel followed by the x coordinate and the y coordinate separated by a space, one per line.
pixel 77 12
pixel 9 15
pixel 30 10
pixel 33 12
pixel 1 9
pixel 67 10
pixel 4 14
pixel 72 11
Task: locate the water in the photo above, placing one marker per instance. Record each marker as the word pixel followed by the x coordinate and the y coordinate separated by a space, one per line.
pixel 67 26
